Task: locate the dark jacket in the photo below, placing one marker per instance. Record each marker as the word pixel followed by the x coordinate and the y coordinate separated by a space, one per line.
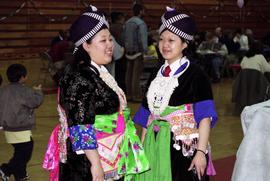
pixel 17 106
pixel 83 95
pixel 249 88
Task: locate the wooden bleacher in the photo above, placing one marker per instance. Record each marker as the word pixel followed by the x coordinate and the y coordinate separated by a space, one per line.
pixel 30 30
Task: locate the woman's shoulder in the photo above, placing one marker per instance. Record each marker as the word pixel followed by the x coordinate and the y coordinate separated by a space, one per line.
pixel 260 56
pixel 194 74
pixel 76 76
pixel 195 69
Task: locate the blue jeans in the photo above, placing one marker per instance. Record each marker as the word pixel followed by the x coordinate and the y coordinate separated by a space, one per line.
pixel 217 63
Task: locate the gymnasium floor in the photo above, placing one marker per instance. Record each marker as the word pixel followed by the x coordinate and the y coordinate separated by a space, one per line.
pixel 225 136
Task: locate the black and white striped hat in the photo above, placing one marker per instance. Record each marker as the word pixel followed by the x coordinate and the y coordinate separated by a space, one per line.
pixel 177 23
pixel 87 25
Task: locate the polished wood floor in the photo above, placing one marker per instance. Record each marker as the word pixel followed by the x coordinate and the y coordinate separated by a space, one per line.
pixel 225 136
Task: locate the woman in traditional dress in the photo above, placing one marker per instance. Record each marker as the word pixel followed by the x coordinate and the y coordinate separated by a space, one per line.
pixel 97 139
pixel 178 109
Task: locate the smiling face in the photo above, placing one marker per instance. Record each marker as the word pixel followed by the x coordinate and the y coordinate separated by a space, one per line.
pixel 171 46
pixel 101 47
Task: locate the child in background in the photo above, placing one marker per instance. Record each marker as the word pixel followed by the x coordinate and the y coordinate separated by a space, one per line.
pixel 17 119
pixel 152 48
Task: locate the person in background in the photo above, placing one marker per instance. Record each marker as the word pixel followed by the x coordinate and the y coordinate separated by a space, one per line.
pixel 61 36
pixel 94 111
pixel 242 39
pixel 178 110
pixel 213 54
pixel 218 34
pixel 231 45
pixel 116 29
pixel 135 44
pixel 17 119
pixel 250 35
pixel 254 59
pixel 152 51
pixel 59 51
pixel 117 25
pixel 118 53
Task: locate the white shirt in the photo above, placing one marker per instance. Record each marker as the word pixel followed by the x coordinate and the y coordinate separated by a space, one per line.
pixel 257 62
pixel 175 65
pixel 243 41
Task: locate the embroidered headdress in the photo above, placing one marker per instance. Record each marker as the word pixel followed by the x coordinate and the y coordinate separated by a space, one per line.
pixel 177 23
pixel 87 25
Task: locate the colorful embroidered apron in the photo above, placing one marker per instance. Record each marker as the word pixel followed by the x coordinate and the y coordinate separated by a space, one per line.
pixel 180 121
pixel 120 149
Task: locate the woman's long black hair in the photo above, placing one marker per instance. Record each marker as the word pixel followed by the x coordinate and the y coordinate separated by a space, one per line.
pixel 255 48
pixel 81 59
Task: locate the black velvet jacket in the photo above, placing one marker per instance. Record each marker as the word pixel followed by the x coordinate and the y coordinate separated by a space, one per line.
pixel 83 94
pixel 194 86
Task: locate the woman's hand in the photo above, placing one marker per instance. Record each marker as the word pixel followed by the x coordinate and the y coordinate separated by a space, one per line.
pixel 144 130
pixel 199 161
pixel 96 168
pixel 199 164
pixel 97 172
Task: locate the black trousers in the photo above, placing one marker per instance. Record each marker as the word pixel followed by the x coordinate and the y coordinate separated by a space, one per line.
pixel 180 165
pixel 133 74
pixel 77 167
pixel 17 164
